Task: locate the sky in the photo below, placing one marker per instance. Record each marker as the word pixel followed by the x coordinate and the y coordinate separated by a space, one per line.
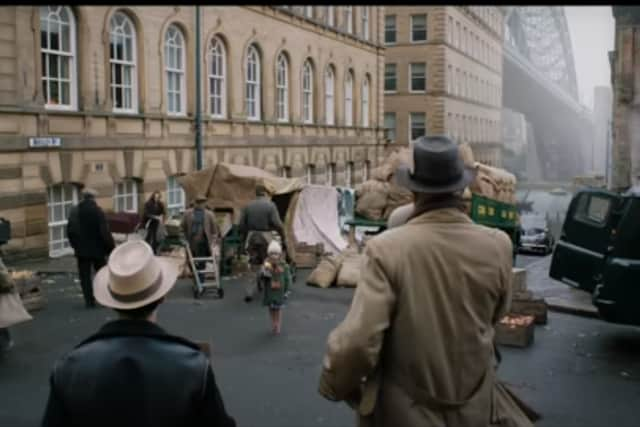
pixel 592 31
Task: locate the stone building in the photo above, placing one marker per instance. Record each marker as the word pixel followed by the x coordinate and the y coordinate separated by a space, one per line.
pixel 625 69
pixel 443 75
pixel 105 96
pixel 602 104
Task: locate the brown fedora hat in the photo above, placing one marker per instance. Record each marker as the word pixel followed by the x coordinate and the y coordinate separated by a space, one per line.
pixel 134 277
pixel 437 167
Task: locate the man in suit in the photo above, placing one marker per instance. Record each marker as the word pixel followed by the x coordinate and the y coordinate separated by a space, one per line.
pixel 89 236
pixel 132 372
pixel 421 324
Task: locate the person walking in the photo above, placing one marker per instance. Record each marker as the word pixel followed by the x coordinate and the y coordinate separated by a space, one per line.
pixel 416 347
pixel 132 372
pixel 257 222
pixel 153 219
pixel 201 230
pixel 89 236
pixel 276 280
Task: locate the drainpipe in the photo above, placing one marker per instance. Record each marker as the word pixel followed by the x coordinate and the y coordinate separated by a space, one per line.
pixel 198 95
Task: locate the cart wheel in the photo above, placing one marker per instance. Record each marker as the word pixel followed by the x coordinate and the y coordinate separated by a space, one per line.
pixel 220 293
pixel 196 293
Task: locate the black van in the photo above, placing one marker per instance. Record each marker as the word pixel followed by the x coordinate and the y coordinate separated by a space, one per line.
pixel 599 252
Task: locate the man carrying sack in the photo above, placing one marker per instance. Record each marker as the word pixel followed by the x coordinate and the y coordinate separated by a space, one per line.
pixel 132 372
pixel 429 296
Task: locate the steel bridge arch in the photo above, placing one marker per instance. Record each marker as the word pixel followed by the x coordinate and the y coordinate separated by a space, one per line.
pixel 541 35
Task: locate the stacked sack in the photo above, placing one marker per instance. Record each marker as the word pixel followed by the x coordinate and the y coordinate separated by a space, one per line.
pixel 379 196
pixel 494 183
pixel 341 270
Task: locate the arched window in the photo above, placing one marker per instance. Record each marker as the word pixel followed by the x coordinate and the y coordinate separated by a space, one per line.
pixel 217 79
pixel 282 88
pixel 174 64
pixel 364 114
pixel 348 19
pixel 60 200
pixel 329 101
pixel 253 88
pixel 307 92
pixel 123 61
pixel 58 52
pixel 365 22
pixel 348 99
pixel 331 16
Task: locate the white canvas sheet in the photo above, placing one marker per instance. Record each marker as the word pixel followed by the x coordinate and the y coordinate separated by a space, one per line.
pixel 316 218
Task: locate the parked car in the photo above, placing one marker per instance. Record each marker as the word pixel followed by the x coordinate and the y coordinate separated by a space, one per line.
pixel 598 252
pixel 535 236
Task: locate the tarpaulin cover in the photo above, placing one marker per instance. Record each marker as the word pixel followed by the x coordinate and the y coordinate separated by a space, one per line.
pixel 316 218
pixel 233 186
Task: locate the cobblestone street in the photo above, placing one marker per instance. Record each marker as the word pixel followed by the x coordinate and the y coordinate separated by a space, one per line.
pixel 579 372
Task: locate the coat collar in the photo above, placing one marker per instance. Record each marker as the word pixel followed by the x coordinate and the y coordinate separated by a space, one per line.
pixel 446 215
pixel 135 328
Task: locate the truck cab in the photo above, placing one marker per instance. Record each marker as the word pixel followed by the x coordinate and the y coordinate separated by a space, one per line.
pixel 599 252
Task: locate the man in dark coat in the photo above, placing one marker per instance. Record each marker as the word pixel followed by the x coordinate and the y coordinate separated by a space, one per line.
pixel 89 236
pixel 132 372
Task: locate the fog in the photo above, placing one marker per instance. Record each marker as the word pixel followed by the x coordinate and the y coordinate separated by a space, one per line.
pixel 592 36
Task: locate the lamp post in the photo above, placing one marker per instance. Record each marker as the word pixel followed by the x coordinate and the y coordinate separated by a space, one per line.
pixel 198 94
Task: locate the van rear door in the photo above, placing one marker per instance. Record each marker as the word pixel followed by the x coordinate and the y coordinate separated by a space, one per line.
pixel 579 257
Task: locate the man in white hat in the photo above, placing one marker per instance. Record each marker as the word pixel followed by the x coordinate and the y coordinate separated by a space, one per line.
pixel 132 372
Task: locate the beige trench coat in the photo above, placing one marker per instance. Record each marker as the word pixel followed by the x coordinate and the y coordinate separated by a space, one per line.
pixel 420 327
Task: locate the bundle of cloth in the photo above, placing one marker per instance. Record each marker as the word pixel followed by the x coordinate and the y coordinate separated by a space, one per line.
pixel 379 196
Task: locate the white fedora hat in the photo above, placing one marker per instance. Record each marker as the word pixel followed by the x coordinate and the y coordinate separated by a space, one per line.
pixel 134 277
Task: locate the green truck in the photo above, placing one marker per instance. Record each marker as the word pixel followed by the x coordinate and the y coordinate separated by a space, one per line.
pixel 599 252
pixel 485 211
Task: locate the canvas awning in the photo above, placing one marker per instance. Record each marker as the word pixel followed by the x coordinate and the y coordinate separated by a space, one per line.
pixel 233 186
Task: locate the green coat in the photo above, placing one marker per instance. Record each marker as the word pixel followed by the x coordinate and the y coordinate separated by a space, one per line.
pixel 275 297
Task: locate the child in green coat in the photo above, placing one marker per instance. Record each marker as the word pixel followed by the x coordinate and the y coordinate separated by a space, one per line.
pixel 276 279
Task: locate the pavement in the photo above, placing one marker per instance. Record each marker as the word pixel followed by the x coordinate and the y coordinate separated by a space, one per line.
pixel 579 372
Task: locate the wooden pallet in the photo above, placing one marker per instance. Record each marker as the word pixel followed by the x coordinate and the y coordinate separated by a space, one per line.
pixel 33 300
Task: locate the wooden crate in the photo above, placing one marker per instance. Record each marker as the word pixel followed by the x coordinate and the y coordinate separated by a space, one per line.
pixel 33 300
pixel 519 279
pixel 515 335
pixel 522 296
pixel 307 259
pixel 533 307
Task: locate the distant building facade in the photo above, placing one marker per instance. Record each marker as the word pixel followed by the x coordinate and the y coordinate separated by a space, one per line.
pixel 294 90
pixel 602 117
pixel 514 140
pixel 443 75
pixel 625 67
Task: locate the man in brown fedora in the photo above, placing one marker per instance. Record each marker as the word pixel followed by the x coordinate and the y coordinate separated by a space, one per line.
pixel 416 347
pixel 132 372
